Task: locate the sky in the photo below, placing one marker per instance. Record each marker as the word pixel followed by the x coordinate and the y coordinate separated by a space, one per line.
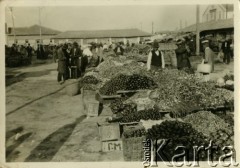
pixel 164 17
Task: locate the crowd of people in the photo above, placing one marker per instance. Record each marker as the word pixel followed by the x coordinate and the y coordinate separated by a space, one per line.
pixel 73 59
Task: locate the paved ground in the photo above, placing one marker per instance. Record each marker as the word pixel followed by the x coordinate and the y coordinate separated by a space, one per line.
pixel 44 124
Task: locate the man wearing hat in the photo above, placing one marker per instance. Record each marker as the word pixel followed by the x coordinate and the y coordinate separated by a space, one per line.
pixel 208 54
pixel 182 54
pixel 75 60
pixel 62 66
pixel 155 58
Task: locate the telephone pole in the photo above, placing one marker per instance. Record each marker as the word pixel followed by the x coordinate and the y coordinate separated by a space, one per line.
pixel 39 17
pixel 14 33
pixel 152 27
pixel 197 31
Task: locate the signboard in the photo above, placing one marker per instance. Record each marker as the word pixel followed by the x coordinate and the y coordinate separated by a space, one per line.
pixel 112 146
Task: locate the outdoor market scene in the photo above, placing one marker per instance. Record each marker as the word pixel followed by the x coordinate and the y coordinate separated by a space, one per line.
pixel 101 95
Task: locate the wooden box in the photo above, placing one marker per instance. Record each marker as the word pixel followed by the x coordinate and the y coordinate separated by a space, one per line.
pixel 112 146
pixel 108 131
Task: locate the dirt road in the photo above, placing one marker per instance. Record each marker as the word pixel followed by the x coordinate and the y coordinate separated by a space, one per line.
pixel 44 124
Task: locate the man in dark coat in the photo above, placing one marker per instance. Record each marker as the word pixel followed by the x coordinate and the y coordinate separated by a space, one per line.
pixel 155 58
pixel 226 50
pixel 76 55
pixel 40 52
pixel 119 50
pixel 182 55
pixel 62 64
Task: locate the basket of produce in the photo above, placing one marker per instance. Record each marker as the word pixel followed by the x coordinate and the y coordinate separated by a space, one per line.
pixel 133 144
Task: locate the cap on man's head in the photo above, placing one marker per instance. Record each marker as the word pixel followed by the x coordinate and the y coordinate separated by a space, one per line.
pixel 155 44
pixel 205 41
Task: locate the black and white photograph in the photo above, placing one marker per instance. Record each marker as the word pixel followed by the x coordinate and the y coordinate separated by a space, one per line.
pixel 146 83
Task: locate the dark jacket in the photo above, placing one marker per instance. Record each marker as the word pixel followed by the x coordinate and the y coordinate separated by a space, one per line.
pixel 61 61
pixel 182 57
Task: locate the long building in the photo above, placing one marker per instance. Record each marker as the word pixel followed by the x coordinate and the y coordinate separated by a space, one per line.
pixel 103 36
pixel 30 34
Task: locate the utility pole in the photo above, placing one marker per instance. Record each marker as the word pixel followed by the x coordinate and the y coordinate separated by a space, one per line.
pixel 197 31
pixel 152 27
pixel 180 25
pixel 185 23
pixel 226 10
pixel 141 26
pixel 14 33
pixel 39 17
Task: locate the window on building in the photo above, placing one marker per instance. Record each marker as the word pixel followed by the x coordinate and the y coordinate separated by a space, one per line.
pixel 213 14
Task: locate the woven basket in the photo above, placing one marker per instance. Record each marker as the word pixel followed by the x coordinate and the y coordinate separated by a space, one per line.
pixel 133 148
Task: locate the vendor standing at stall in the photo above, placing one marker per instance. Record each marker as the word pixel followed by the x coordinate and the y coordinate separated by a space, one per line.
pixel 155 58
pixel 208 54
pixel 182 54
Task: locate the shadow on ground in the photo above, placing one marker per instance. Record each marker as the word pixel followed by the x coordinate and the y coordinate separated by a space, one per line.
pixel 10 150
pixel 11 79
pixel 47 149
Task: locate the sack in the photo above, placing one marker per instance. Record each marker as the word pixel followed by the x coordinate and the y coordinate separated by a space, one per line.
pixel 204 68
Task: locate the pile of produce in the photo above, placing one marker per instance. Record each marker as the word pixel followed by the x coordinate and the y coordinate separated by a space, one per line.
pixel 117 106
pixel 148 114
pixel 221 138
pixel 177 89
pixel 229 119
pixel 90 80
pixel 178 133
pixel 128 69
pixel 134 133
pixel 206 122
pixel 127 82
pixel 119 82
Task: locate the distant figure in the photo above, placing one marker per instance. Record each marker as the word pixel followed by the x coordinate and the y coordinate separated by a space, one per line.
pixel 182 54
pixel 209 54
pixel 95 59
pixel 76 55
pixel 226 49
pixel 40 52
pixel 118 50
pixel 62 64
pixel 29 52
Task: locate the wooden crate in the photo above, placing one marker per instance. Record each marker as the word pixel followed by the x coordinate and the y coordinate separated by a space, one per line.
pixel 109 131
pixel 108 146
pixel 92 108
pixel 104 99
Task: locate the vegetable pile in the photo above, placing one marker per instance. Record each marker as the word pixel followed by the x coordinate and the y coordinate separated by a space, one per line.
pixel 90 80
pixel 127 82
pixel 134 133
pixel 136 116
pixel 178 133
pixel 206 122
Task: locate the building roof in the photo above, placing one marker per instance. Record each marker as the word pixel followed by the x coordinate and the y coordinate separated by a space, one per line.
pixel 225 7
pixel 228 7
pixel 33 30
pixel 212 25
pixel 102 34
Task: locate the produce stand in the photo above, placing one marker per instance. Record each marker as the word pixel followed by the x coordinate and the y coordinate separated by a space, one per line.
pixel 176 92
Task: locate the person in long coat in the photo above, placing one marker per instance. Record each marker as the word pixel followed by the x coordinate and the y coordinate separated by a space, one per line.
pixel 182 55
pixel 62 66
pixel 208 54
pixel 76 55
